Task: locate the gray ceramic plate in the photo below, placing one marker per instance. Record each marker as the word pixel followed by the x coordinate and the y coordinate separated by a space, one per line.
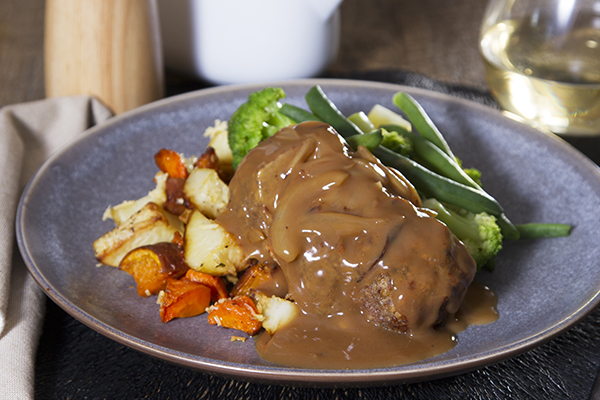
pixel 544 287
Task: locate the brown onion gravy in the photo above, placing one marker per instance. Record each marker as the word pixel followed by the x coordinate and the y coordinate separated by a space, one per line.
pixel 362 345
pixel 378 280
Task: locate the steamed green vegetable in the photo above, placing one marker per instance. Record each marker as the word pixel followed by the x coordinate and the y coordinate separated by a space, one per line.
pixel 255 120
pixel 419 118
pixel 369 140
pixel 324 108
pixel 434 158
pixel 398 142
pixel 297 114
pixel 538 230
pixel 362 121
pixel 437 186
pixel 479 232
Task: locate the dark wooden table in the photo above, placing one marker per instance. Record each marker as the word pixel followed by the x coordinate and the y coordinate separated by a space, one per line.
pixel 435 38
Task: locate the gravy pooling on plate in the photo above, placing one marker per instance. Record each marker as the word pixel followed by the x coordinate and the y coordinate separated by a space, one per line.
pixel 376 277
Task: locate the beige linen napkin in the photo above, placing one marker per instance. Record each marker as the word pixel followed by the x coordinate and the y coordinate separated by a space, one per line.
pixel 29 134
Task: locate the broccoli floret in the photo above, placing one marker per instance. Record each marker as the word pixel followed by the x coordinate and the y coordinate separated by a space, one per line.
pixel 397 142
pixel 479 232
pixel 473 173
pixel 255 120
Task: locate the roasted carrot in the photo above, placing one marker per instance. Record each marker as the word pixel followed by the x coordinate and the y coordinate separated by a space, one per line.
pixel 215 283
pixel 171 162
pixel 178 239
pixel 236 313
pixel 183 298
pixel 151 266
pixel 209 159
pixel 253 277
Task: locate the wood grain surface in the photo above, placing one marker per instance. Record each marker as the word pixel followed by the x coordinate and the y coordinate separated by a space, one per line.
pixel 107 48
pixel 21 48
pixel 432 37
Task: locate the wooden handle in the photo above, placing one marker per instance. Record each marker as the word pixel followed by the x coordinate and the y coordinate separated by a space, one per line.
pixel 107 48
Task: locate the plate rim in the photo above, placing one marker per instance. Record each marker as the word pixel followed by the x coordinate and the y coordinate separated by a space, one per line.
pixel 284 375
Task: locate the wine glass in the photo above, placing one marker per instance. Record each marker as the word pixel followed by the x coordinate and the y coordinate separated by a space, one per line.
pixel 542 61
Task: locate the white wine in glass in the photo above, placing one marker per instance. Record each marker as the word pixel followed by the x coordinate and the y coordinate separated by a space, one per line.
pixel 542 61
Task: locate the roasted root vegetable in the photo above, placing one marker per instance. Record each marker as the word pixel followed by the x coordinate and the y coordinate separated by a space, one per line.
pixel 171 162
pixel 238 312
pixel 176 203
pixel 209 248
pixel 252 278
pixel 215 283
pixel 183 298
pixel 206 191
pixel 220 143
pixel 151 224
pixel 208 159
pixel 276 312
pixel 126 209
pixel 178 239
pixel 151 266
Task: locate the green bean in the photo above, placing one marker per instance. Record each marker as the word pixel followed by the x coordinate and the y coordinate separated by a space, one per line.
pixel 363 122
pixel 438 186
pixel 439 162
pixel 297 114
pixel 508 229
pixel 443 190
pixel 434 158
pixel 419 118
pixel 537 230
pixel 325 109
pixel 369 140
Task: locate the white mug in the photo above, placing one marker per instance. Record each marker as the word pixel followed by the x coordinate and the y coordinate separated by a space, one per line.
pixel 246 41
